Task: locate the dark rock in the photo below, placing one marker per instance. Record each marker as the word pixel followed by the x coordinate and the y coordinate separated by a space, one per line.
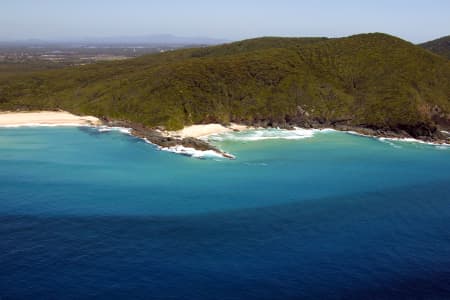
pixel 155 136
pixel 422 131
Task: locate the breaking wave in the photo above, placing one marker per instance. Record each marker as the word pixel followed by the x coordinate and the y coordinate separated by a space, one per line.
pixel 108 128
pixel 191 152
pixel 266 134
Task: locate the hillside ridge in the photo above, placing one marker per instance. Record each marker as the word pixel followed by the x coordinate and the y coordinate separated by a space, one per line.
pixel 373 82
pixel 440 46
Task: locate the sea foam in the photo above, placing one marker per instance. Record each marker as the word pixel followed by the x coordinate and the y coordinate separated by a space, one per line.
pixel 188 151
pixel 124 130
pixel 412 140
pixel 179 149
pixel 266 134
pixel 390 140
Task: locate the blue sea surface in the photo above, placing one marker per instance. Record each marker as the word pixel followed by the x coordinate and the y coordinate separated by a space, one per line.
pixel 102 215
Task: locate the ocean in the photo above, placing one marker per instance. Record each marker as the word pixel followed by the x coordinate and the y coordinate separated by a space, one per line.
pixel 305 214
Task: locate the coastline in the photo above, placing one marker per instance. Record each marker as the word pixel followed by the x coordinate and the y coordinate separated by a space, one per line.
pixel 186 141
pixel 45 118
pixel 191 140
pixel 399 139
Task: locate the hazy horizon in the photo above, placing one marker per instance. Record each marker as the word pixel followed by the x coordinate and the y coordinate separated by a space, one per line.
pixel 415 21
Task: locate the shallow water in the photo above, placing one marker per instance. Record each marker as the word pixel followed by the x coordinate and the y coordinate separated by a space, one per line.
pixel 89 214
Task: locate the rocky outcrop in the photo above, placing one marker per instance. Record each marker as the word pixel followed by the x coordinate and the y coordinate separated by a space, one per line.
pixel 157 137
pixel 420 131
pixel 428 132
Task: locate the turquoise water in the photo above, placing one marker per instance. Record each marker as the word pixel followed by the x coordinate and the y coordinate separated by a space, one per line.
pixel 88 214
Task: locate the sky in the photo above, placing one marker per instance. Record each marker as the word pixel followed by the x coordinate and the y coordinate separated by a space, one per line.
pixel 413 20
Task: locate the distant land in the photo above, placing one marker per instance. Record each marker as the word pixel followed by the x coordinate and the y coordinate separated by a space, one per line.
pixel 439 46
pixel 374 83
pixel 143 40
pixel 33 54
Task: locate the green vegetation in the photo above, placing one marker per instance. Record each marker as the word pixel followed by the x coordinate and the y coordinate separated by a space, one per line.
pixel 12 69
pixel 439 46
pixel 372 80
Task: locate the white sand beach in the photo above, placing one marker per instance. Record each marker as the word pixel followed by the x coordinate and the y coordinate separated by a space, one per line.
pixel 203 130
pixel 51 118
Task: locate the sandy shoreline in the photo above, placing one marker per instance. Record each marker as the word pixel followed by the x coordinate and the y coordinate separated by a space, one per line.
pixel 41 118
pixel 63 118
pixel 204 130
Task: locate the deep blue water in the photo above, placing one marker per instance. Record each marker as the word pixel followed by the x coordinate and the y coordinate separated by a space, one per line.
pixel 89 215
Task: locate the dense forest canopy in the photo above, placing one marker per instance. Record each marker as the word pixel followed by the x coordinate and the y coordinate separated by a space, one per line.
pixel 372 80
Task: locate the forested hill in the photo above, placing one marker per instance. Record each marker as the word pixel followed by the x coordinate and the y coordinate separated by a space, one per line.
pixel 439 46
pixel 368 80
